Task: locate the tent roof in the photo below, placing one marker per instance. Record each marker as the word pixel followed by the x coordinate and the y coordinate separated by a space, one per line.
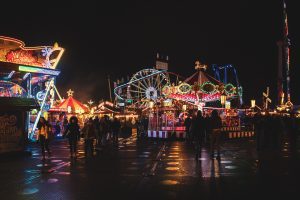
pixel 201 77
pixel 73 103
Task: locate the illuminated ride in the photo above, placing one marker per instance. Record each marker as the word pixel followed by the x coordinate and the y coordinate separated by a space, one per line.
pixel 197 90
pixel 166 101
pixel 144 86
pixel 29 72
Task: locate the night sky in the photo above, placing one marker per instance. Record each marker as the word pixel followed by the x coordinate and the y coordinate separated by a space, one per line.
pixel 120 39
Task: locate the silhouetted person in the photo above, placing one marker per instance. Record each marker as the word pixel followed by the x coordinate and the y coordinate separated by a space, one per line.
pixel 89 135
pixel 258 122
pixel 198 131
pixel 44 129
pixel 72 132
pixel 115 127
pixel 96 123
pixel 215 125
pixel 187 125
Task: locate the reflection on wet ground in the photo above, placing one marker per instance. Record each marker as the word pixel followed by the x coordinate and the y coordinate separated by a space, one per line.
pixel 154 169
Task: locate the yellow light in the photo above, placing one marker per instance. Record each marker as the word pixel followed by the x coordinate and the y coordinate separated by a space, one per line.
pixel 223 99
pixel 69 109
pixel 252 103
pixel 227 105
pixel 151 104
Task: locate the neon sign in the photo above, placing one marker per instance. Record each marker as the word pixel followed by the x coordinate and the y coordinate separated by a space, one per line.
pixel 38 70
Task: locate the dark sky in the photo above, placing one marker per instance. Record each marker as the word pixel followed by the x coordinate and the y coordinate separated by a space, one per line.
pixel 120 39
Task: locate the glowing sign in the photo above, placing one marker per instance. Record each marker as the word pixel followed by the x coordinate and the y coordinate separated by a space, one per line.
pixel 40 95
pixel 38 70
pixel 14 51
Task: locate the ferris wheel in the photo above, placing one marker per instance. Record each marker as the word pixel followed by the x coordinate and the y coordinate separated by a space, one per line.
pixel 146 85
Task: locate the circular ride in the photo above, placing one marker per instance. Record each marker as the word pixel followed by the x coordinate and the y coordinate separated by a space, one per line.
pixel 144 86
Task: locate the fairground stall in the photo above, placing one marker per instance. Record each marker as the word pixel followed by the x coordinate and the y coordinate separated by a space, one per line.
pixel 167 100
pixel 106 108
pixel 29 72
pixel 67 108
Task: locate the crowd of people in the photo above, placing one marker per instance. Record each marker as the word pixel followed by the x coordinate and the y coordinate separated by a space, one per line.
pixel 200 128
pixel 270 131
pixel 94 132
pixel 273 130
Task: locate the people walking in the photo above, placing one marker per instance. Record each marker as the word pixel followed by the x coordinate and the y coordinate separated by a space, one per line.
pixel 96 123
pixel 72 132
pixel 105 129
pixel 215 125
pixel 198 132
pixel 187 124
pixel 115 127
pixel 89 135
pixel 44 129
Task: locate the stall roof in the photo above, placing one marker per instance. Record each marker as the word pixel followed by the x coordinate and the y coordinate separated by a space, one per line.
pixel 16 103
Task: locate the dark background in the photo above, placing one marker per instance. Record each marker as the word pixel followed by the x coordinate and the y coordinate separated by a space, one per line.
pixel 120 39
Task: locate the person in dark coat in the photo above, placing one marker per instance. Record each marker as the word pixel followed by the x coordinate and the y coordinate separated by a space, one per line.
pixel 187 124
pixel 215 125
pixel 115 127
pixel 258 122
pixel 89 135
pixel 198 131
pixel 72 132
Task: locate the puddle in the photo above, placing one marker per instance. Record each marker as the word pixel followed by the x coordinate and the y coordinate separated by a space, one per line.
pixel 169 182
pixel 172 168
pixel 28 191
pixel 52 180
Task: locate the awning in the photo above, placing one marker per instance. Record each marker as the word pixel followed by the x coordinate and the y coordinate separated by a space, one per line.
pixel 16 103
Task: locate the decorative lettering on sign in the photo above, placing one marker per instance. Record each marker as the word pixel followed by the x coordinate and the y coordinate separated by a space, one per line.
pixel 8 125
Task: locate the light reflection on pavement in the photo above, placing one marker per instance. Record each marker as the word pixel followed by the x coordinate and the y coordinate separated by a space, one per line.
pixel 154 169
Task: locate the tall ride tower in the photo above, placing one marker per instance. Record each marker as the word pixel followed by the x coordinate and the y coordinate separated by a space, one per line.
pixel 284 92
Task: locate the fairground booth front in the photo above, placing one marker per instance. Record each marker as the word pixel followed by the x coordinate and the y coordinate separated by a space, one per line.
pixel 27 83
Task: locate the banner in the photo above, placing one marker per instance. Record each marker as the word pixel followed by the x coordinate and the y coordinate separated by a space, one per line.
pixel 11 131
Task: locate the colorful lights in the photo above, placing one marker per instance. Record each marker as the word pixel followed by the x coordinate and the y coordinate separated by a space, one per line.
pixel 10 74
pixel 14 51
pixel 38 70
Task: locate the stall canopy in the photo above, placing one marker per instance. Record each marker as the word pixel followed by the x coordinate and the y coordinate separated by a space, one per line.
pixel 107 107
pixel 70 105
pixel 9 103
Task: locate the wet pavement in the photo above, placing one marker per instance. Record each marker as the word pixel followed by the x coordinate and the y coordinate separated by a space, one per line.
pixel 152 169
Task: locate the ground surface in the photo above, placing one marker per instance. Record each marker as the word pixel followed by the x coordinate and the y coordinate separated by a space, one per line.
pixel 153 170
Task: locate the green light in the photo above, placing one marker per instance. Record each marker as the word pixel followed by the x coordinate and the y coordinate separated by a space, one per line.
pixel 23 68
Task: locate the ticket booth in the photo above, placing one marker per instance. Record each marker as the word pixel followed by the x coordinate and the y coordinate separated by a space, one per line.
pixel 14 122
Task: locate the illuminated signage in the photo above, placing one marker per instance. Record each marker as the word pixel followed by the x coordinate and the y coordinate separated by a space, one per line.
pixel 38 70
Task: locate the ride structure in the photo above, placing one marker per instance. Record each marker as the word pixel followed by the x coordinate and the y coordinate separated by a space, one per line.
pixel 29 72
pixel 167 98
pixel 283 81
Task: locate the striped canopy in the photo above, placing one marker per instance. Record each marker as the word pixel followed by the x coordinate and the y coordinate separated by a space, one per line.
pixel 70 105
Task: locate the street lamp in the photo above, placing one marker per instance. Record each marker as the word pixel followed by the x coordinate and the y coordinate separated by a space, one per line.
pixel 223 99
pixel 252 103
pixel 151 104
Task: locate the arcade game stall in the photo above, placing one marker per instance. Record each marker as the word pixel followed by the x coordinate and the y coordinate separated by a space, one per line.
pixel 29 72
